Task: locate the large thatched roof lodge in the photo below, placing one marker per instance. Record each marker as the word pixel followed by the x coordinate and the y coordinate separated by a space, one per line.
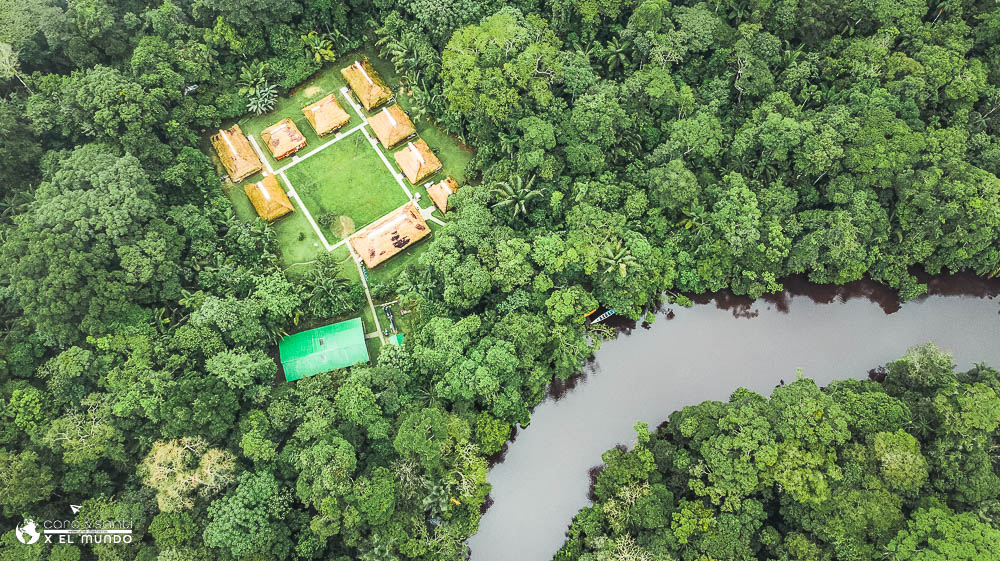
pixel 417 161
pixel 326 115
pixel 389 235
pixel 237 156
pixel 366 84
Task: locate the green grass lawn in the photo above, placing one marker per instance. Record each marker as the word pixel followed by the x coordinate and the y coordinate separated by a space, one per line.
pixel 348 180
pixel 298 244
pixel 316 88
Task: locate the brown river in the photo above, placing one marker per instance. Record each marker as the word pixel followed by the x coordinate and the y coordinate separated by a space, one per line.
pixel 705 352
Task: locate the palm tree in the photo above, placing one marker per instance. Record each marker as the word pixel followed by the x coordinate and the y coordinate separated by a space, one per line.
pixel 252 78
pixel 421 99
pixel 14 203
pixel 325 291
pixel 263 99
pixel 790 56
pixel 618 257
pixel 616 54
pixel 588 50
pixel 508 141
pixel 437 499
pixel 516 193
pixel 405 54
pixel 427 397
pixel 323 284
pixel 383 43
pixel 694 218
pixel 318 46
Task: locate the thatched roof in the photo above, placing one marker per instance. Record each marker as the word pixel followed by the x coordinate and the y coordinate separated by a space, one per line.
pixel 283 138
pixel 389 235
pixel 326 115
pixel 440 192
pixel 268 198
pixel 417 161
pixel 392 125
pixel 237 156
pixel 370 89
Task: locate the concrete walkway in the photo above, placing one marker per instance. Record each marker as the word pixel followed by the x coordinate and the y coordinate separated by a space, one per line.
pixel 368 294
pixel 426 213
pixel 305 211
pixel 337 138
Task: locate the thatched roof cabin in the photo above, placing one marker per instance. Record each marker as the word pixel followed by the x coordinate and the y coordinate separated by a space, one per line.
pixel 366 84
pixel 283 138
pixel 237 156
pixel 326 115
pixel 389 235
pixel 439 192
pixel 392 125
pixel 417 161
pixel 268 198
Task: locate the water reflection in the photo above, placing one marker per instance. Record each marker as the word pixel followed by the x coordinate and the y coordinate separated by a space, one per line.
pixel 541 479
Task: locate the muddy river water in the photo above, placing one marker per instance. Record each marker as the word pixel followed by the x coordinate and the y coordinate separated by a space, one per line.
pixel 705 352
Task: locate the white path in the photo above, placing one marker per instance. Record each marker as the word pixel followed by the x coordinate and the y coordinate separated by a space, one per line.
pixel 260 154
pixel 346 92
pixel 296 160
pixel 426 213
pixel 368 294
pixel 398 176
pixel 305 211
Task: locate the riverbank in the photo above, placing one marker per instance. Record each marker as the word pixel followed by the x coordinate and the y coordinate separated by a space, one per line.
pixel 705 352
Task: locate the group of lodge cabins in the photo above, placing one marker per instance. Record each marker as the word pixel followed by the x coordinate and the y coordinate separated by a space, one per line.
pixel 392 126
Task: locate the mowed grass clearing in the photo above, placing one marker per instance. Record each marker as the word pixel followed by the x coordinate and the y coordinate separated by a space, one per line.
pixel 325 180
pixel 316 88
pixel 297 241
pixel 349 180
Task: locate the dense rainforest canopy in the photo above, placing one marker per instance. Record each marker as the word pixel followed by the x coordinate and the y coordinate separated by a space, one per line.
pixel 623 149
pixel 904 470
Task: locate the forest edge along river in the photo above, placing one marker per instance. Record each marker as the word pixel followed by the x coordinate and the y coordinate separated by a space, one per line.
pixel 703 353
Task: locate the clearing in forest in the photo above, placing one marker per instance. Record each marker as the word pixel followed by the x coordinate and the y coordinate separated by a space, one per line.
pixel 342 179
pixel 347 180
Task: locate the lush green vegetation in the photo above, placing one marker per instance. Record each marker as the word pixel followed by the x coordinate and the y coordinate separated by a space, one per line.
pixel 295 239
pixel 347 180
pixel 622 149
pixel 347 184
pixel 903 470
